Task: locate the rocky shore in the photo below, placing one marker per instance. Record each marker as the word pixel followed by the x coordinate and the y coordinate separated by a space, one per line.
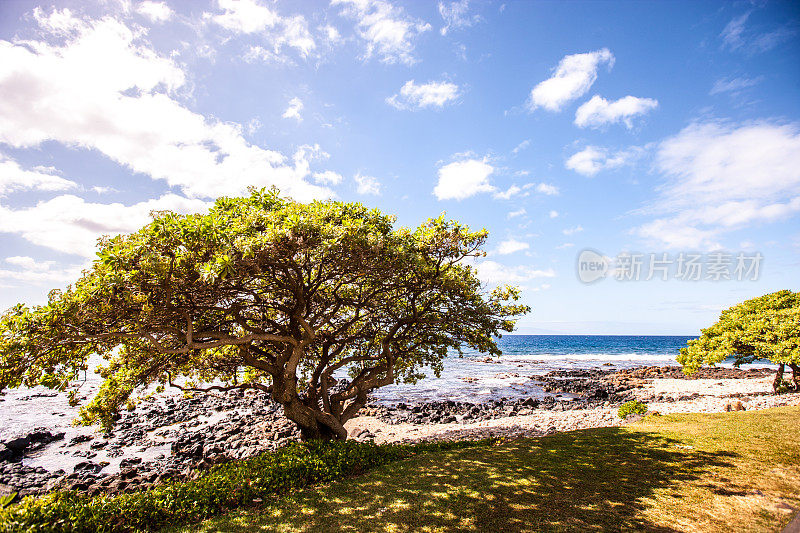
pixel 170 438
pixel 175 437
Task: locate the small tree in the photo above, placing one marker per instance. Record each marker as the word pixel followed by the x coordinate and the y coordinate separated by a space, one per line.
pixel 767 327
pixel 263 293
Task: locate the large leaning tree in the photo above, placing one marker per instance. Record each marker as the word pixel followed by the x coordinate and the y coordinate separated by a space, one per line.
pixel 767 327
pixel 317 304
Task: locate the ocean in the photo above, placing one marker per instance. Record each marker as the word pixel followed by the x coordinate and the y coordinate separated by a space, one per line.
pixel 476 378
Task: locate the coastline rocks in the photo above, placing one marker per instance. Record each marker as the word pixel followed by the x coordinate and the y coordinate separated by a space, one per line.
pixel 616 385
pixel 26 479
pixel 79 439
pixel 675 372
pixel 174 438
pixel 87 467
pixel 16 448
pixel 448 411
pixel 162 439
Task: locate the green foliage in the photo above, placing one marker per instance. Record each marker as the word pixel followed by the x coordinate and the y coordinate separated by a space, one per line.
pixel 267 293
pixel 767 327
pixel 222 488
pixel 633 407
pixel 7 499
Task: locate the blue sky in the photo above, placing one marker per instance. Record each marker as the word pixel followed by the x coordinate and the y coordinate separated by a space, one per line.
pixel 642 128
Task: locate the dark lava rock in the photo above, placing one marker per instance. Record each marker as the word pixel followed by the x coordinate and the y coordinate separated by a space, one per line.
pixel 125 463
pixel 39 438
pixel 17 446
pixel 87 467
pixel 675 372
pixel 79 439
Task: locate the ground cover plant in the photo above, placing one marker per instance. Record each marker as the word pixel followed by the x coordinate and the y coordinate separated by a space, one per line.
pixel 683 472
pixel 223 488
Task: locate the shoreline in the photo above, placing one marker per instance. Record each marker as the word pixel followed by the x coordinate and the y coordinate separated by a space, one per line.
pixel 173 438
pixel 594 397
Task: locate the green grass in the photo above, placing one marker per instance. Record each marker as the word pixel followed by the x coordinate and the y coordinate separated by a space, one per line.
pixel 720 472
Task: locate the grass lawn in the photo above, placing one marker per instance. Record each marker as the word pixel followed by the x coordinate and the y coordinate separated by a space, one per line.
pixel 694 472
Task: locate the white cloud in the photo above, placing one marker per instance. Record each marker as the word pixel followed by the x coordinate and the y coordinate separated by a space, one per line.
pixel 553 214
pixel 328 177
pixel 244 16
pixel 432 94
pixel 495 273
pixel 27 271
pixel 456 16
pixel 768 41
pixel 736 37
pixel 546 188
pixel 734 85
pixel 367 184
pixel 732 34
pixel 105 89
pixel 511 246
pixel 251 17
pixel 257 53
pixel 15 178
pixel 29 263
pixel 157 12
pixel 254 125
pixel 574 76
pixel 593 159
pixel 521 146
pixel 508 193
pixel 386 29
pixel 573 231
pixel 462 179
pixel 676 233
pixel 332 35
pixel 72 225
pixel 722 176
pixel 58 22
pixel 517 213
pixel 598 111
pixel 565 246
pixel 514 190
pixel 294 109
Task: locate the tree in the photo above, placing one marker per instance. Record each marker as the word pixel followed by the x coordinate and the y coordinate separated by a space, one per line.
pixel 317 304
pixel 767 327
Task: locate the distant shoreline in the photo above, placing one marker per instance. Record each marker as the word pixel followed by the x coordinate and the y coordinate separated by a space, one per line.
pixel 592 335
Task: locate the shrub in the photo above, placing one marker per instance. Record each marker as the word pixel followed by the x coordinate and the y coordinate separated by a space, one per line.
pixel 633 407
pixel 222 488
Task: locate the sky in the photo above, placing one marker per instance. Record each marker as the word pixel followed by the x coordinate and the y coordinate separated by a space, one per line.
pixel 638 137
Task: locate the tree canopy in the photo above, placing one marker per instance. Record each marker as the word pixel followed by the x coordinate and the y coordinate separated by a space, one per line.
pixel 767 327
pixel 265 293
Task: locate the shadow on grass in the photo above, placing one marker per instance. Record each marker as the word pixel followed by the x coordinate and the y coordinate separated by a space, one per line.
pixel 584 481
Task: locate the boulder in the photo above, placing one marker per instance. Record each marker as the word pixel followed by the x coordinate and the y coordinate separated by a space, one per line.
pixel 87 467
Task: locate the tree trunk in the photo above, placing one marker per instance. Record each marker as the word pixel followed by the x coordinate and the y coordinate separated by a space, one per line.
pixel 795 376
pixel 314 424
pixel 778 378
pixel 321 432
